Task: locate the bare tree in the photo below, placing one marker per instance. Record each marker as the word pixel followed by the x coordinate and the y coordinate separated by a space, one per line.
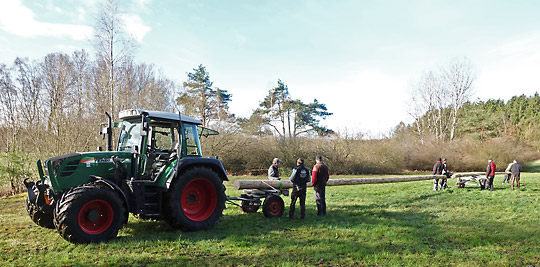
pixel 437 98
pixel 8 103
pixel 113 46
pixel 58 82
pixel 458 77
pixel 429 101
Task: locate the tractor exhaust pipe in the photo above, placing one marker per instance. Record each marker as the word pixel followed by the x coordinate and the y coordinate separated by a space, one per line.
pixel 109 132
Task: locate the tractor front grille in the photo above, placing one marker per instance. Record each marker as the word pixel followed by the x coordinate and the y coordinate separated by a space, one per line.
pixel 70 168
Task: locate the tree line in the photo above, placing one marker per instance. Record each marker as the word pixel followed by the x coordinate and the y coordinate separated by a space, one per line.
pixel 54 105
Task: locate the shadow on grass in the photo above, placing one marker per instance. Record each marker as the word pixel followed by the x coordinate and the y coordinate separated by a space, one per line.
pixel 533 166
pixel 356 230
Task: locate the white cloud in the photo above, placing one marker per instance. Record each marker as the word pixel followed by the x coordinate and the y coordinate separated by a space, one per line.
pixel 239 38
pixel 18 19
pixel 511 69
pixel 367 100
pixel 142 3
pixel 134 25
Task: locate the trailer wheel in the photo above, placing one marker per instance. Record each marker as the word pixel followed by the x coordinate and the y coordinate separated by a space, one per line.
pixel 273 206
pixel 195 200
pixel 89 213
pixel 249 206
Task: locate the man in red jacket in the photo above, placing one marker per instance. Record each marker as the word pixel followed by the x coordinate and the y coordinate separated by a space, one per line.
pixel 319 176
pixel 490 173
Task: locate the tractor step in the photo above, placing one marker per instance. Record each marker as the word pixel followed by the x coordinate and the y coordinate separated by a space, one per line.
pixel 145 199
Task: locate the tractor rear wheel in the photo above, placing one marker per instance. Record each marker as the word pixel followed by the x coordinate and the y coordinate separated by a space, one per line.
pixel 89 213
pixel 195 200
pixel 273 206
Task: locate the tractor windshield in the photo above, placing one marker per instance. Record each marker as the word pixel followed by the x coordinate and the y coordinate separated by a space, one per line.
pixel 130 136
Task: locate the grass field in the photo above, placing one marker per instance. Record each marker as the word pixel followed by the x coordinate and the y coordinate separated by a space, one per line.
pixel 367 225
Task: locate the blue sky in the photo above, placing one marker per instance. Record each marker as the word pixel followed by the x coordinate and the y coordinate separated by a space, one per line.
pixel 358 57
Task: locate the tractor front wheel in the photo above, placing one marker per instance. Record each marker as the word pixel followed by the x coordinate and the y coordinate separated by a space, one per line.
pixel 42 214
pixel 195 200
pixel 273 206
pixel 89 213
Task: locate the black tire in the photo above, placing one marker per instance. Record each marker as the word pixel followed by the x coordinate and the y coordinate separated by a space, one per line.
pixel 273 206
pixel 249 206
pixel 89 213
pixel 195 200
pixel 41 215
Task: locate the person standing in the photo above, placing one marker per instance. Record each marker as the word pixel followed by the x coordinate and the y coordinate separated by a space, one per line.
pixel 299 177
pixel 507 173
pixel 437 170
pixel 516 172
pixel 273 171
pixel 319 176
pixel 490 173
pixel 444 184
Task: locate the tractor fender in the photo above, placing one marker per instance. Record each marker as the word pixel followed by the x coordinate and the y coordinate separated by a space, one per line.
pixel 116 188
pixel 188 163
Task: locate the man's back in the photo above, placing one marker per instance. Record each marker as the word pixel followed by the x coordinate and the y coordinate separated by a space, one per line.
pixel 516 168
pixel 321 173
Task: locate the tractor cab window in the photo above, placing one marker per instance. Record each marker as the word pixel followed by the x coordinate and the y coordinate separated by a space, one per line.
pixel 192 140
pixel 130 136
pixel 164 137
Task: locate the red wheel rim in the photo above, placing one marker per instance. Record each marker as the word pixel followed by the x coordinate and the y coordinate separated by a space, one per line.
pixel 96 217
pixel 274 207
pixel 199 199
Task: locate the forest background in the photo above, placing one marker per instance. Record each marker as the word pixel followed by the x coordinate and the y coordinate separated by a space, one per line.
pixel 54 105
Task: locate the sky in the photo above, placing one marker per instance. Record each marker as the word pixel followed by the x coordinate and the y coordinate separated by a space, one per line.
pixel 359 57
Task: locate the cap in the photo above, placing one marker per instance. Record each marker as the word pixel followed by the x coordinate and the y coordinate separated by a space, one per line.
pixel 277 160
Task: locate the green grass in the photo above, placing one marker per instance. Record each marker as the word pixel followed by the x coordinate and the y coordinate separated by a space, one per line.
pixel 405 224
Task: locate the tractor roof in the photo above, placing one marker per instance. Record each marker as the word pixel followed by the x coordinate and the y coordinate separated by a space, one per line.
pixel 133 113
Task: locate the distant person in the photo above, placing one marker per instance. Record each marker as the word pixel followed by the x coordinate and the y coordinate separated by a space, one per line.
pixel 273 171
pixel 490 174
pixel 319 176
pixel 516 172
pixel 507 173
pixel 300 176
pixel 444 184
pixel 437 170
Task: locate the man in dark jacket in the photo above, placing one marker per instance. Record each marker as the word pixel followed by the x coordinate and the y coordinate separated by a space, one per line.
pixel 444 183
pixel 490 174
pixel 437 170
pixel 299 177
pixel 319 176
pixel 516 170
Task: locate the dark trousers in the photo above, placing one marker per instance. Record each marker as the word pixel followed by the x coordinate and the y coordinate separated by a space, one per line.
pixel 320 199
pixel 506 178
pixel 301 194
pixel 490 182
pixel 444 185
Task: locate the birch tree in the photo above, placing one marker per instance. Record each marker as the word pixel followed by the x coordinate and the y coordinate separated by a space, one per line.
pixel 113 46
pixel 458 77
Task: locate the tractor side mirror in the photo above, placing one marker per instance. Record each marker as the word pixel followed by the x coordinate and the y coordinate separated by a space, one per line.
pixel 103 129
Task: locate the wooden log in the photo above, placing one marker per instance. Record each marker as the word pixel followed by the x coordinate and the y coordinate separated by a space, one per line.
pixel 286 184
pixel 469 174
pixel 262 184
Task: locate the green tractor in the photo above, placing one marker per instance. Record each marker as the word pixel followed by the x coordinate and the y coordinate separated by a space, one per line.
pixel 157 172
